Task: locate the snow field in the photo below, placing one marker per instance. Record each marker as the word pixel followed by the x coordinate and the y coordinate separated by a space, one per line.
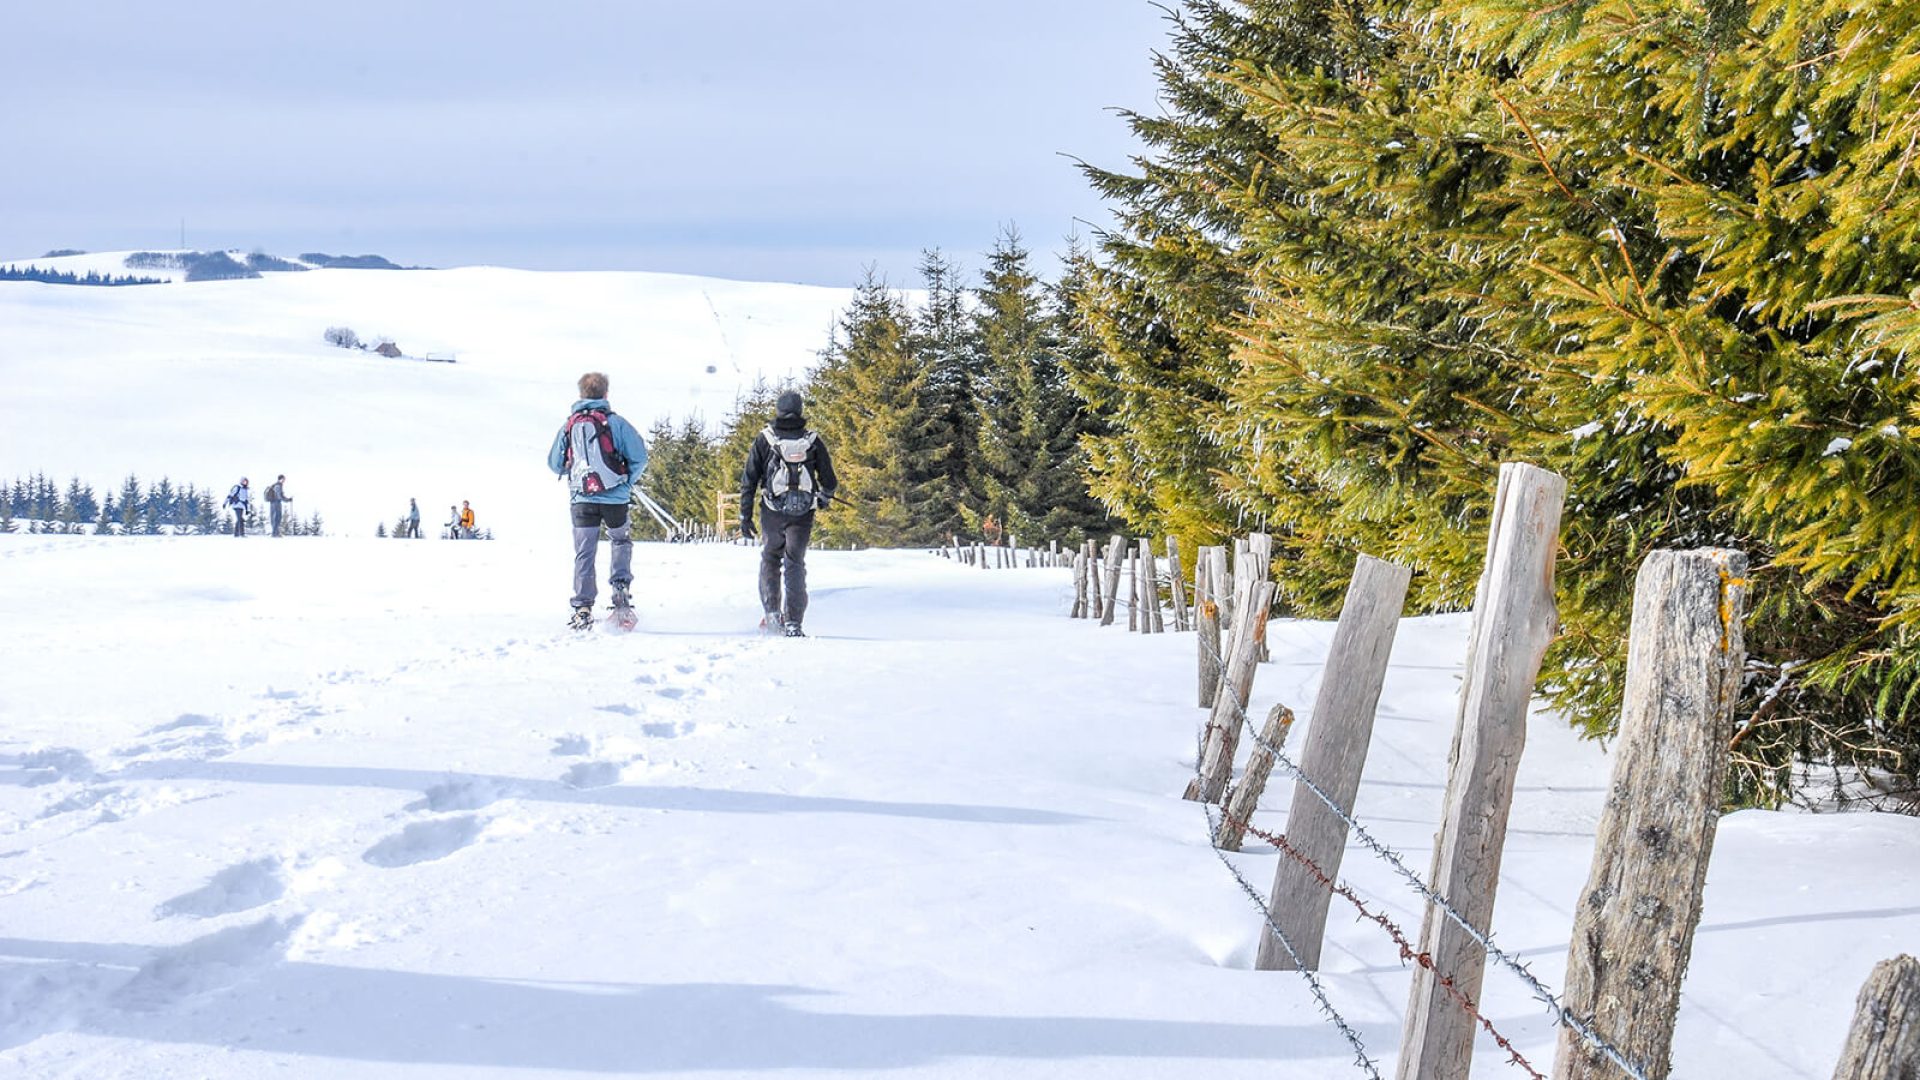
pixel 361 808
pixel 206 382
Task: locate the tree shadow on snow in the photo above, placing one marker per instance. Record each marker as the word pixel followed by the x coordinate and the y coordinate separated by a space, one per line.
pixel 360 1014
pixel 638 797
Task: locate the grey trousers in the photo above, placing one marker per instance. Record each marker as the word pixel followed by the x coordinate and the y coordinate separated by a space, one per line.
pixel 587 519
pixel 783 554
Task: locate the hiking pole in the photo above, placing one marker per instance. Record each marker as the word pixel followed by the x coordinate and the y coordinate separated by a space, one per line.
pixel 659 513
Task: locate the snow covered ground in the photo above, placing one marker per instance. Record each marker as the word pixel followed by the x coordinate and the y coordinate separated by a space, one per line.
pixel 352 807
pixel 356 807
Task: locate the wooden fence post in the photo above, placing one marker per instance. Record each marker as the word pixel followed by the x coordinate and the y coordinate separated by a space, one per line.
pixel 1133 591
pixel 1114 565
pixel 1080 585
pixel 1099 608
pixel 1513 620
pixel 1210 569
pixel 1260 554
pixel 1633 928
pixel 1236 687
pixel 1239 572
pixel 1333 758
pixel 1884 1043
pixel 1176 586
pixel 1150 617
pixel 1244 799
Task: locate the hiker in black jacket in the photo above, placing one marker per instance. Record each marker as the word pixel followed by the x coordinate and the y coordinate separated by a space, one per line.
pixel 788 467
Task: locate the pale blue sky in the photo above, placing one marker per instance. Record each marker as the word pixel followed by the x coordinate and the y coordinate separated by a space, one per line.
pixel 754 139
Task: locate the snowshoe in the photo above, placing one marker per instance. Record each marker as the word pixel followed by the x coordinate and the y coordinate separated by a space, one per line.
pixel 772 625
pixel 792 629
pixel 623 617
pixel 582 619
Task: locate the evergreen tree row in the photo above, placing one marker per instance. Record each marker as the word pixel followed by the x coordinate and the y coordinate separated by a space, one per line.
pixel 1375 249
pixel 11 272
pixel 38 504
pixel 950 418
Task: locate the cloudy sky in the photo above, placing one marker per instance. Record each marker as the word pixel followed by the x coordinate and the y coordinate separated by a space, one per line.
pixel 783 140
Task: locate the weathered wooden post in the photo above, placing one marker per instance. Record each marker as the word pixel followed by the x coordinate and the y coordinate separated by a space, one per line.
pixel 1244 799
pixel 1152 620
pixel 1099 609
pixel 1133 590
pixel 1513 620
pixel 1211 568
pixel 1174 583
pixel 1149 586
pixel 1884 1043
pixel 1335 755
pixel 1236 687
pixel 1633 929
pixel 1080 585
pixel 1206 621
pixel 1115 563
pixel 1260 555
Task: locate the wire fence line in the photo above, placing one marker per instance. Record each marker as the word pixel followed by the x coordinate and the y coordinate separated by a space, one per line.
pixel 1407 951
pixel 1361 1059
pixel 1484 939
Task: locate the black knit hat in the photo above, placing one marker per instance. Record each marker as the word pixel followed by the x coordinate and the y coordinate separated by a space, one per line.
pixel 789 404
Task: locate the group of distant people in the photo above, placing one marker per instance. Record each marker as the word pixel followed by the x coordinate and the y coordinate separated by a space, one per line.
pixel 240 502
pixel 788 473
pixel 459 521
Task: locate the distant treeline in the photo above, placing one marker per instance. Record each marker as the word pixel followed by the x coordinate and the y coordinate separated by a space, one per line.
pixel 11 272
pixel 38 504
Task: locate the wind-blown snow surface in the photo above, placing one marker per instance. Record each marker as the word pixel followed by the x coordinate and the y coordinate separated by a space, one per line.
pixel 338 807
pixel 206 382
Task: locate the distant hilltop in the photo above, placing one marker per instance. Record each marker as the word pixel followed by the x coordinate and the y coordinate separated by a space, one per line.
pixel 67 266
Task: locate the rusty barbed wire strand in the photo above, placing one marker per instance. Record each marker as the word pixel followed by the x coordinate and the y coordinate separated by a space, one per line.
pixel 1361 1059
pixel 1407 951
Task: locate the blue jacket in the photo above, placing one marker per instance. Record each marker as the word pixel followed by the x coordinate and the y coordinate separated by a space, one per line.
pixel 625 439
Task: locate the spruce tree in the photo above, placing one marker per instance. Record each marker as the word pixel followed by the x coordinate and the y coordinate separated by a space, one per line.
pixel 1031 466
pixel 946 342
pixel 7 523
pixel 109 514
pixel 870 404
pixel 131 505
pixel 159 509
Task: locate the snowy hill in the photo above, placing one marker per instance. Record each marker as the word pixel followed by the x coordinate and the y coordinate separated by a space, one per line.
pixel 209 381
pixel 355 808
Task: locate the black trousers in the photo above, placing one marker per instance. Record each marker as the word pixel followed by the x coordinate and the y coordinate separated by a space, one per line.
pixel 783 554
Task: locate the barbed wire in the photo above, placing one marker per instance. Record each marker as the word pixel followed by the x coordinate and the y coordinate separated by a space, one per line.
pixel 1407 951
pixel 1361 1059
pixel 1561 1014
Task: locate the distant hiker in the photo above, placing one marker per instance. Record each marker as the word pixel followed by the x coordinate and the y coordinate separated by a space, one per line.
pixel 238 501
pixel 277 494
pixel 466 520
pixel 453 523
pixel 790 466
pixel 413 519
pixel 601 456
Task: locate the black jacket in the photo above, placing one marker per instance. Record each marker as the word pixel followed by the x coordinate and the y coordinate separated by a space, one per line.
pixel 754 473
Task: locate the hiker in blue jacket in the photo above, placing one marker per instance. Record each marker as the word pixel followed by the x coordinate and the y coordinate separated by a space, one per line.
pixel 601 456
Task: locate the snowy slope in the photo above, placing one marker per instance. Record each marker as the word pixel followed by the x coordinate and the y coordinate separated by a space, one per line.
pixel 209 381
pixel 325 808
pixel 354 807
